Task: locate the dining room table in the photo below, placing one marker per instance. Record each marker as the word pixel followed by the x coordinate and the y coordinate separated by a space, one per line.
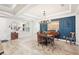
pixel 49 39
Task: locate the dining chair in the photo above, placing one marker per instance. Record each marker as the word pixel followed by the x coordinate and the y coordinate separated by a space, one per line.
pixel 71 38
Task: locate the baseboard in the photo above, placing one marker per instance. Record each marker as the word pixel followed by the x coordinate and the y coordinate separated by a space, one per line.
pixel 68 41
pixel 77 43
pixel 4 41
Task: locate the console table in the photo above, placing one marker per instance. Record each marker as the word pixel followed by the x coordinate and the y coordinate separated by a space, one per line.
pixel 14 35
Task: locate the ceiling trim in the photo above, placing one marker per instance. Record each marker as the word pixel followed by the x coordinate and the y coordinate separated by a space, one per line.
pixel 6 13
pixel 22 10
pixel 26 8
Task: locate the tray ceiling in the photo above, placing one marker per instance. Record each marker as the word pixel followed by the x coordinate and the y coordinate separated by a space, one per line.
pixel 32 10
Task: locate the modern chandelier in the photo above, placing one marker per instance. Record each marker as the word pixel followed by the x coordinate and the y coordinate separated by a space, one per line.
pixel 44 18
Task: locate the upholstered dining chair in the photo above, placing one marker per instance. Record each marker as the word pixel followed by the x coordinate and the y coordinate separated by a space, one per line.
pixel 71 38
pixel 40 39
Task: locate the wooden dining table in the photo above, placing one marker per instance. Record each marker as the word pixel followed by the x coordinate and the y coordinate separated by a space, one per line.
pixel 45 38
pixel 48 40
pixel 52 34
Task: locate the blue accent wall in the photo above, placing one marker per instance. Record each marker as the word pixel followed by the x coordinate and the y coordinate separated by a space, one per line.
pixel 43 27
pixel 66 25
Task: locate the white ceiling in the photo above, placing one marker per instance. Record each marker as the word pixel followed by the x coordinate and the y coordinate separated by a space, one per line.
pixel 36 11
pixel 11 8
pixel 32 11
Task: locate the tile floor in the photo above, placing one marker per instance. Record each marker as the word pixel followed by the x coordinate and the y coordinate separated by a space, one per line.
pixel 29 46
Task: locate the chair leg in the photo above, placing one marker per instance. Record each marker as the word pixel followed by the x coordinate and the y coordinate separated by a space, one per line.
pixel 52 44
pixel 66 40
pixel 42 45
pixel 38 44
pixel 74 43
pixel 70 42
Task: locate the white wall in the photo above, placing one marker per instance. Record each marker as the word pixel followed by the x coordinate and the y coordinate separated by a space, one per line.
pixel 77 28
pixel 77 23
pixel 34 28
pixel 4 33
